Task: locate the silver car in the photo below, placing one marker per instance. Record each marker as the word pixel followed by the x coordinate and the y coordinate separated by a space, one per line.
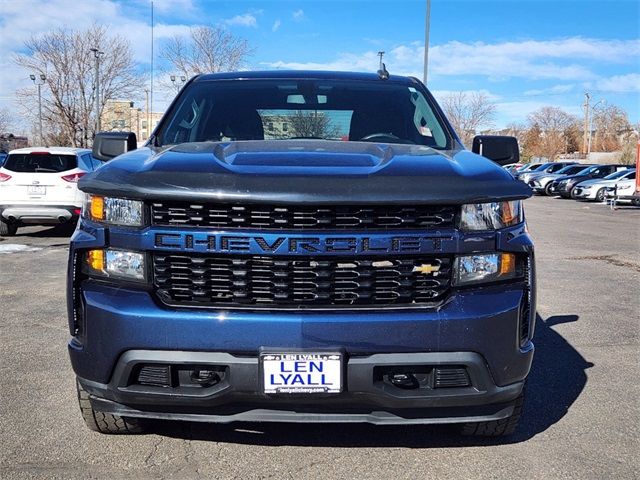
pixel 542 183
pixel 596 189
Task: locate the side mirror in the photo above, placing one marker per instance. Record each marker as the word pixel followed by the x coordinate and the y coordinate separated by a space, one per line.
pixel 502 150
pixel 107 145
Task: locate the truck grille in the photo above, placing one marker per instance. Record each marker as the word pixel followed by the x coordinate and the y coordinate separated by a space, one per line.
pixel 301 217
pixel 263 282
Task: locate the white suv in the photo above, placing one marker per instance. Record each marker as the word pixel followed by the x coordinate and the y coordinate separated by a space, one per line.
pixel 39 186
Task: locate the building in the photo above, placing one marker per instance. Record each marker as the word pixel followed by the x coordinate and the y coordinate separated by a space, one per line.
pixel 124 116
pixel 9 142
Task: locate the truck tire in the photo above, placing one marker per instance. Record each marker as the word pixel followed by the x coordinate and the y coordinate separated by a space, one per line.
pixel 105 422
pixel 496 428
pixel 7 229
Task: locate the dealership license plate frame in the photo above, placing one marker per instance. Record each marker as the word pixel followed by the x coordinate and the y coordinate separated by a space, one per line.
pixel 333 359
pixel 36 190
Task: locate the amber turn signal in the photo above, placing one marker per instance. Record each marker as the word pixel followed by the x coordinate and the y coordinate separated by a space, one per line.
pixel 96 207
pixel 95 260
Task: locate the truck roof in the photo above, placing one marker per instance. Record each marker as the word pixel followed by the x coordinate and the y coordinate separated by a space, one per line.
pixel 303 74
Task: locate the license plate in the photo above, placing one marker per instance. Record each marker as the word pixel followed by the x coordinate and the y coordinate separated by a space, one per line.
pixel 305 373
pixel 36 189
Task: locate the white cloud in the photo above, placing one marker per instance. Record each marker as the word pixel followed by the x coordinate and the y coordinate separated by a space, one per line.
pixel 298 15
pixel 566 59
pixel 440 94
pixel 620 83
pixel 170 6
pixel 517 111
pixel 555 90
pixel 276 25
pixel 245 20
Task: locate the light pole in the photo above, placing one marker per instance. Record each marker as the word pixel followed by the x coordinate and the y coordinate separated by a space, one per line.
pixel 593 111
pixel 426 40
pixel 178 81
pixel 42 80
pixel 97 54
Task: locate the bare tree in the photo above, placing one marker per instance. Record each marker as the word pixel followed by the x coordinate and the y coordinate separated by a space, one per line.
pixel 549 130
pixel 310 124
pixel 68 100
pixel 467 112
pixel 629 145
pixel 5 120
pixel 610 125
pixel 206 50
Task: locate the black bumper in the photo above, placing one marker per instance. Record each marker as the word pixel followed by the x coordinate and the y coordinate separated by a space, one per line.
pixel 367 397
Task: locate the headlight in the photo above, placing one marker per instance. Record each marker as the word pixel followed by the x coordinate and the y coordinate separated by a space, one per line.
pixel 490 216
pixel 115 263
pixel 114 211
pixel 493 267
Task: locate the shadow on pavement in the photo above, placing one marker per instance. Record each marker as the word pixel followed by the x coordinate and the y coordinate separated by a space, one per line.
pixel 57 231
pixel 557 378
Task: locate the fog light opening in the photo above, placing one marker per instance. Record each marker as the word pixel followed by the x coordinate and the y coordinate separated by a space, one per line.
pixel 406 381
pixel 206 378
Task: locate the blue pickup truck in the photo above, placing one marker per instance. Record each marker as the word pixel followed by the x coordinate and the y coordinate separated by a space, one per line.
pixel 302 247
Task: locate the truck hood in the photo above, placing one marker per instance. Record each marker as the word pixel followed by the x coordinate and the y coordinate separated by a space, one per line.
pixel 305 171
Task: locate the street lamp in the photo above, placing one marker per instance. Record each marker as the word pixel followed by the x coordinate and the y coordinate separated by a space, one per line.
pixel 97 54
pixel 42 80
pixel 593 111
pixel 426 41
pixel 178 82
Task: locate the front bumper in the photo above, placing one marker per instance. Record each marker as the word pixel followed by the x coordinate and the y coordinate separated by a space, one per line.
pixel 367 398
pixel 584 193
pixel 39 214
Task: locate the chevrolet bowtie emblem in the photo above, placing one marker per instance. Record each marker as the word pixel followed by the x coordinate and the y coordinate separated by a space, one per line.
pixel 426 269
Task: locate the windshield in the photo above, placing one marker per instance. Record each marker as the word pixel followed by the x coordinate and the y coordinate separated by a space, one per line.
pixel 529 167
pixel 615 175
pixel 370 111
pixel 572 169
pixel 542 167
pixel 40 162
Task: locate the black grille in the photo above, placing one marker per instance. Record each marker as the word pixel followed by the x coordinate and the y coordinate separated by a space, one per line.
pixel 451 377
pixel 301 217
pixel 155 375
pixel 259 281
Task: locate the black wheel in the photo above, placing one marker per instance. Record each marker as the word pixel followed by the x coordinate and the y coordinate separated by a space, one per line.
pixel 635 202
pixel 7 229
pixel 105 422
pixel 547 189
pixel 496 428
pixel 600 195
pixel 572 193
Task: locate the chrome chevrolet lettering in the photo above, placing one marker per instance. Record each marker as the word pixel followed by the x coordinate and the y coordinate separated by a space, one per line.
pixel 295 245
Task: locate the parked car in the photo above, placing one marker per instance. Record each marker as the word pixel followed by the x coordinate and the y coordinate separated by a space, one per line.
pixel 39 186
pixel 3 157
pixel 526 168
pixel 545 168
pixel 565 185
pixel 512 167
pixel 543 184
pixel 595 189
pixel 224 273
pixel 624 191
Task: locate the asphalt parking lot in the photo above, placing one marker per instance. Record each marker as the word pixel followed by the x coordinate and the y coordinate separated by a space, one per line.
pixel 582 417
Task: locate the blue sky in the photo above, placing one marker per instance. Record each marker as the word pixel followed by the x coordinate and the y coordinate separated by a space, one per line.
pixel 523 54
